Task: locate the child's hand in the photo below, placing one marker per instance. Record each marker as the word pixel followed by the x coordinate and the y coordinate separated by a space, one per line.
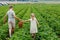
pixel 39 25
pixel 4 21
pixel 24 20
pixel 21 20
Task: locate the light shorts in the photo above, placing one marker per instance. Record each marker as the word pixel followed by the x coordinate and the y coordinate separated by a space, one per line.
pixel 11 24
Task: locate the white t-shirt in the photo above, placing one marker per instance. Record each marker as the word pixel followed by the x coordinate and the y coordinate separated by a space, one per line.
pixel 11 15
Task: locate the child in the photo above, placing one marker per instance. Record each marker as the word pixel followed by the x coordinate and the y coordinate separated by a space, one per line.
pixel 33 25
pixel 11 19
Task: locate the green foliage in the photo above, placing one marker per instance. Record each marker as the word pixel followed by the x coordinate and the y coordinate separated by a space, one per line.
pixel 47 15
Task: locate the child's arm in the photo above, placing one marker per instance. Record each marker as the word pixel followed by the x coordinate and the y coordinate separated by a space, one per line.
pixel 37 23
pixel 4 18
pixel 17 18
pixel 27 20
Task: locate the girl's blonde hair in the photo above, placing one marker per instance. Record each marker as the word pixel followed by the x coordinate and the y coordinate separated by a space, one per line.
pixel 32 14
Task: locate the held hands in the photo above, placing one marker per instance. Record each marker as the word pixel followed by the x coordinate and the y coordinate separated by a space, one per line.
pixel 21 20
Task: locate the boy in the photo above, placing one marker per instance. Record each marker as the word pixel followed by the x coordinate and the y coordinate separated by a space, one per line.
pixel 11 19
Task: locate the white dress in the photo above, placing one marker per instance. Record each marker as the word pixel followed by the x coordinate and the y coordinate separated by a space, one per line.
pixel 33 26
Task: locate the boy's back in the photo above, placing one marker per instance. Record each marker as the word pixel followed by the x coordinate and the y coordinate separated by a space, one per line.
pixel 11 14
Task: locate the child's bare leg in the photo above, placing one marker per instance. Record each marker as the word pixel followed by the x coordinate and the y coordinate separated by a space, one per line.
pixel 9 32
pixel 9 29
pixel 33 36
pixel 12 31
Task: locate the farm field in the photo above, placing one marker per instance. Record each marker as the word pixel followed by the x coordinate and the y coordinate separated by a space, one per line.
pixel 48 16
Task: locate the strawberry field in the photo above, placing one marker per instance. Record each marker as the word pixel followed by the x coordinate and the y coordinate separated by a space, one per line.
pixel 48 16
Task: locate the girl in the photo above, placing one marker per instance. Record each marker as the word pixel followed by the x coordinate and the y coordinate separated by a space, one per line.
pixel 33 25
